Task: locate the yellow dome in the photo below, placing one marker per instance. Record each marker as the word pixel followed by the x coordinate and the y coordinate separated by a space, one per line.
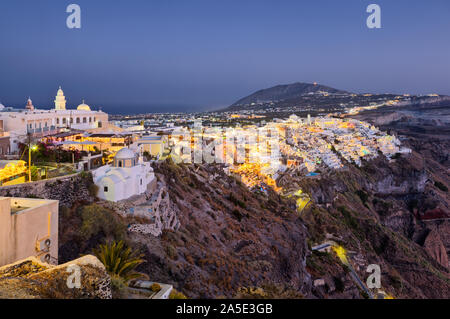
pixel 83 107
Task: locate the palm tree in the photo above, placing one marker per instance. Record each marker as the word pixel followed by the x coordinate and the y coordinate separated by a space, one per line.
pixel 119 260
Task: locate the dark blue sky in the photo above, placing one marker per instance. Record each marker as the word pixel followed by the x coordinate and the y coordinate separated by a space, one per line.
pixel 153 55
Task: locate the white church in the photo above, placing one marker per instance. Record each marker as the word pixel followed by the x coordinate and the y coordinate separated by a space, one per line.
pixel 128 176
pixel 38 123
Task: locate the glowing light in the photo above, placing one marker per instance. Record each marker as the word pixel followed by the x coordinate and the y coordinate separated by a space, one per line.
pixel 341 253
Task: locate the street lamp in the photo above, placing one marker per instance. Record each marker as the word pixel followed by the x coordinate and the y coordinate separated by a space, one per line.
pixel 30 149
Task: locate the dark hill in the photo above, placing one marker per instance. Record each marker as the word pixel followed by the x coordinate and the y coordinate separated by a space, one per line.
pixel 285 92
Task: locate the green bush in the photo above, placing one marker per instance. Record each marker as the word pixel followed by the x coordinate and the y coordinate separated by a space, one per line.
pixel 176 295
pixel 172 252
pixel 93 190
pixel 34 174
pixel 118 287
pixel 339 284
pixel 441 186
pixel 363 196
pixel 97 219
pixel 348 218
pixel 155 287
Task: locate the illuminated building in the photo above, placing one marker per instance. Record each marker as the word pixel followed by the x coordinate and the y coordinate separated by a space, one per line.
pixel 39 123
pixel 12 172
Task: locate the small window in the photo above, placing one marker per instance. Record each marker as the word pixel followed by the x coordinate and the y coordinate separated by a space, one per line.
pixel 105 189
pixel 141 181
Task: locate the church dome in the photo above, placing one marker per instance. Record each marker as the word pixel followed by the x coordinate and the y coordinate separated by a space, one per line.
pixel 83 107
pixel 125 153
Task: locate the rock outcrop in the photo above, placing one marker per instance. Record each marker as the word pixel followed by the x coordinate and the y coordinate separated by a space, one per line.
pixel 434 246
pixel 32 279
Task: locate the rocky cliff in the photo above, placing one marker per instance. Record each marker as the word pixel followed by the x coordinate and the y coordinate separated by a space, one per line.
pixel 32 279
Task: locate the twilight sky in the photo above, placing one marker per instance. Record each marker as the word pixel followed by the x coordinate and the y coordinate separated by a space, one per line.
pixel 159 55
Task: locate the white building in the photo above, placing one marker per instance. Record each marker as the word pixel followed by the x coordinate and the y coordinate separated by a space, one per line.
pixel 128 176
pixel 153 144
pixel 38 123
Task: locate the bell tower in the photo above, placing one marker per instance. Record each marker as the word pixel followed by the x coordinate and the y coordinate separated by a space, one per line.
pixel 29 105
pixel 60 100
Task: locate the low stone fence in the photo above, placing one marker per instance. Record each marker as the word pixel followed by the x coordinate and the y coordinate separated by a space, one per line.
pixel 65 189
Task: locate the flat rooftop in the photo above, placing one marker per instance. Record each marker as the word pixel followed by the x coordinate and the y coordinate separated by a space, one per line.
pixel 22 205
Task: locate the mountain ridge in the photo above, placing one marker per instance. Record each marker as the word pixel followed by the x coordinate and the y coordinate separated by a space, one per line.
pixel 284 92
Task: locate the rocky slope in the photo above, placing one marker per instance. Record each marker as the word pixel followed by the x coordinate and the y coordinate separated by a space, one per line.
pixel 375 212
pixel 229 238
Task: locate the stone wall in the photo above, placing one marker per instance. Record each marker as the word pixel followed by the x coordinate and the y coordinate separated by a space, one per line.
pixel 154 206
pixel 65 189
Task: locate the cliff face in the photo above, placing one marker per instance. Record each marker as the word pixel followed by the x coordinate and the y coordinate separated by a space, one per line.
pixel 435 248
pixel 375 211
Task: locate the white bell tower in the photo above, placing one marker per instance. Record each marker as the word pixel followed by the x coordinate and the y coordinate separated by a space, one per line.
pixel 60 101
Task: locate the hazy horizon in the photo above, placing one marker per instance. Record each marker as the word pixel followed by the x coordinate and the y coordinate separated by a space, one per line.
pixel 139 108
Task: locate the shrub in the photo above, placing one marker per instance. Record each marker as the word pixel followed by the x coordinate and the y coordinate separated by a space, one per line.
pixel 362 195
pixel 339 284
pixel 172 252
pixel 441 186
pixel 155 287
pixel 348 218
pixel 237 214
pixel 119 260
pixel 34 174
pixel 93 190
pixel 97 219
pixel 119 287
pixel 174 294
